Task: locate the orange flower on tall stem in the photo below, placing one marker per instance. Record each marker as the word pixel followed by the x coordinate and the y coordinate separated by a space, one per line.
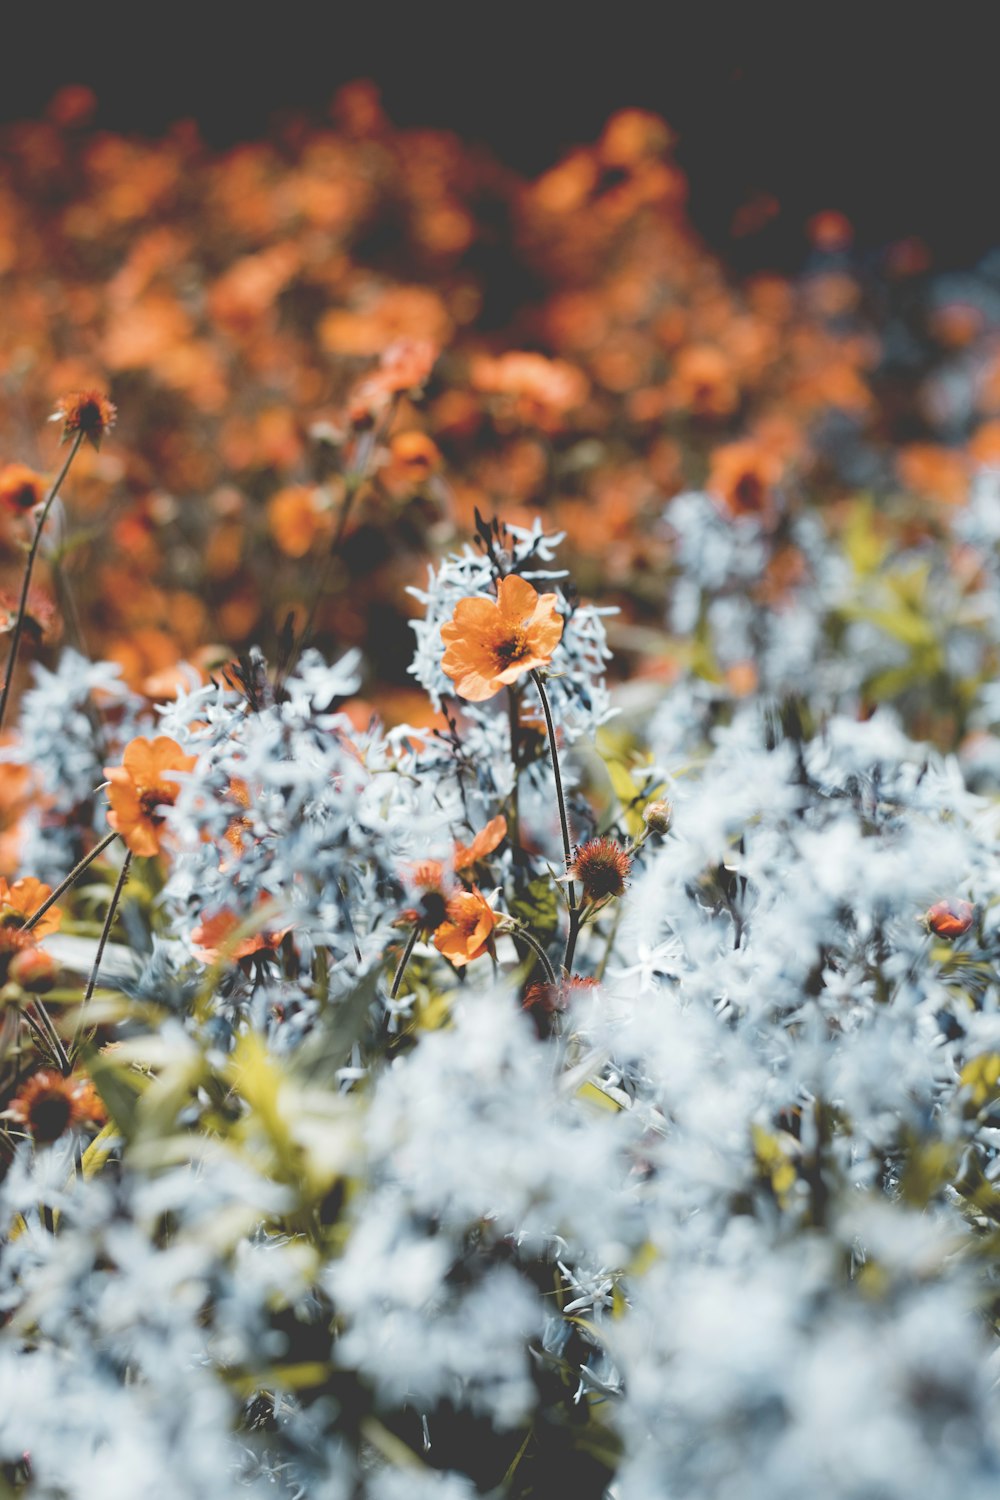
pixel 88 413
pixel 491 643
pixel 467 931
pixel 141 787
pixel 48 1105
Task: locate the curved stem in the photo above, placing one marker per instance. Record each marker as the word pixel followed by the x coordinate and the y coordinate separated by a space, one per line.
pixel 22 607
pixel 404 959
pixel 35 1014
pixel 538 950
pixel 105 934
pixel 74 874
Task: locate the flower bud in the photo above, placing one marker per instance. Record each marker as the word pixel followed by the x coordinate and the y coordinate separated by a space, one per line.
pixel 658 816
pixel 34 969
pixel 950 919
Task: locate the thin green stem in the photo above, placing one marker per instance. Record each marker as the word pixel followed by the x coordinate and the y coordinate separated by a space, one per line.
pixel 404 959
pixel 22 607
pixel 74 874
pixel 105 934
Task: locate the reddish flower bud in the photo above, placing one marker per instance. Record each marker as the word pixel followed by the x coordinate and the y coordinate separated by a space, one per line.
pixel 950 919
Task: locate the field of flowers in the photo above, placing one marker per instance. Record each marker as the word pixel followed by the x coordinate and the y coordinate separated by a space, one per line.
pixel 499 816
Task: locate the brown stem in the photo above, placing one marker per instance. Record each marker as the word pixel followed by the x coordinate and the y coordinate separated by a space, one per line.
pixel 574 915
pixel 105 934
pixel 74 874
pixel 404 959
pixel 538 950
pixel 22 607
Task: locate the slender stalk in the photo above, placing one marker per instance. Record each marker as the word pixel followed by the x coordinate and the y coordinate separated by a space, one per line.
pixel 74 874
pixel 574 913
pixel 404 959
pixel 538 950
pixel 22 608
pixel 512 707
pixel 105 934
pixel 571 937
pixel 48 1035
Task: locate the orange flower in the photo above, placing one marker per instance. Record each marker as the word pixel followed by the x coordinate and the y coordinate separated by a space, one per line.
pixel 49 1105
pixel 950 919
pixel 138 790
pixel 25 896
pixel 214 935
pixel 484 843
pixel 88 412
pixel 491 644
pixel 21 489
pixel 467 931
pixel 743 476
pixel 296 516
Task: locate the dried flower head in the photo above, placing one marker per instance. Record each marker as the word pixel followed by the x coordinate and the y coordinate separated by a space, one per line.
pixel 950 919
pixel 48 1105
pixel 602 867
pixel 141 787
pixel 86 412
pixel 490 644
pixel 467 931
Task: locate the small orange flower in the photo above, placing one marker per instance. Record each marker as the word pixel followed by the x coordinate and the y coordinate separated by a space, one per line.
pixel 33 969
pixel 25 896
pixel 141 786
pixel 484 843
pixel 950 919
pixel 48 1105
pixel 743 475
pixel 467 931
pixel 601 866
pixel 491 644
pixel 21 489
pixel 88 412
pixel 214 935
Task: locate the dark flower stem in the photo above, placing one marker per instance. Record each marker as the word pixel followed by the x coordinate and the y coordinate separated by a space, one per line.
pixel 404 959
pixel 539 952
pixel 574 914
pixel 74 874
pixel 22 608
pixel 105 934
pixel 40 1022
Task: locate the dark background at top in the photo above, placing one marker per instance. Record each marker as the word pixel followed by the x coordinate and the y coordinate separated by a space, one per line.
pixel 892 119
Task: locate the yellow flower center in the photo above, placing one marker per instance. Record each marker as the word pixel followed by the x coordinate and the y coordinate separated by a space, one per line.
pixel 511 648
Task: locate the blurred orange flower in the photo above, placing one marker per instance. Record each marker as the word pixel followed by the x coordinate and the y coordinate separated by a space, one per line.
pixel 21 489
pixel 141 786
pixel 24 897
pixel 467 931
pixel 743 476
pixel 490 644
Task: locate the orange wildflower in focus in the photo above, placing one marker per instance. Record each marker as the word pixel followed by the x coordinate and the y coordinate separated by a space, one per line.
pixel 24 897
pixel 467 931
pixel 950 919
pixel 48 1105
pixel 743 476
pixel 141 786
pixel 489 645
pixel 88 412
pixel 21 489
